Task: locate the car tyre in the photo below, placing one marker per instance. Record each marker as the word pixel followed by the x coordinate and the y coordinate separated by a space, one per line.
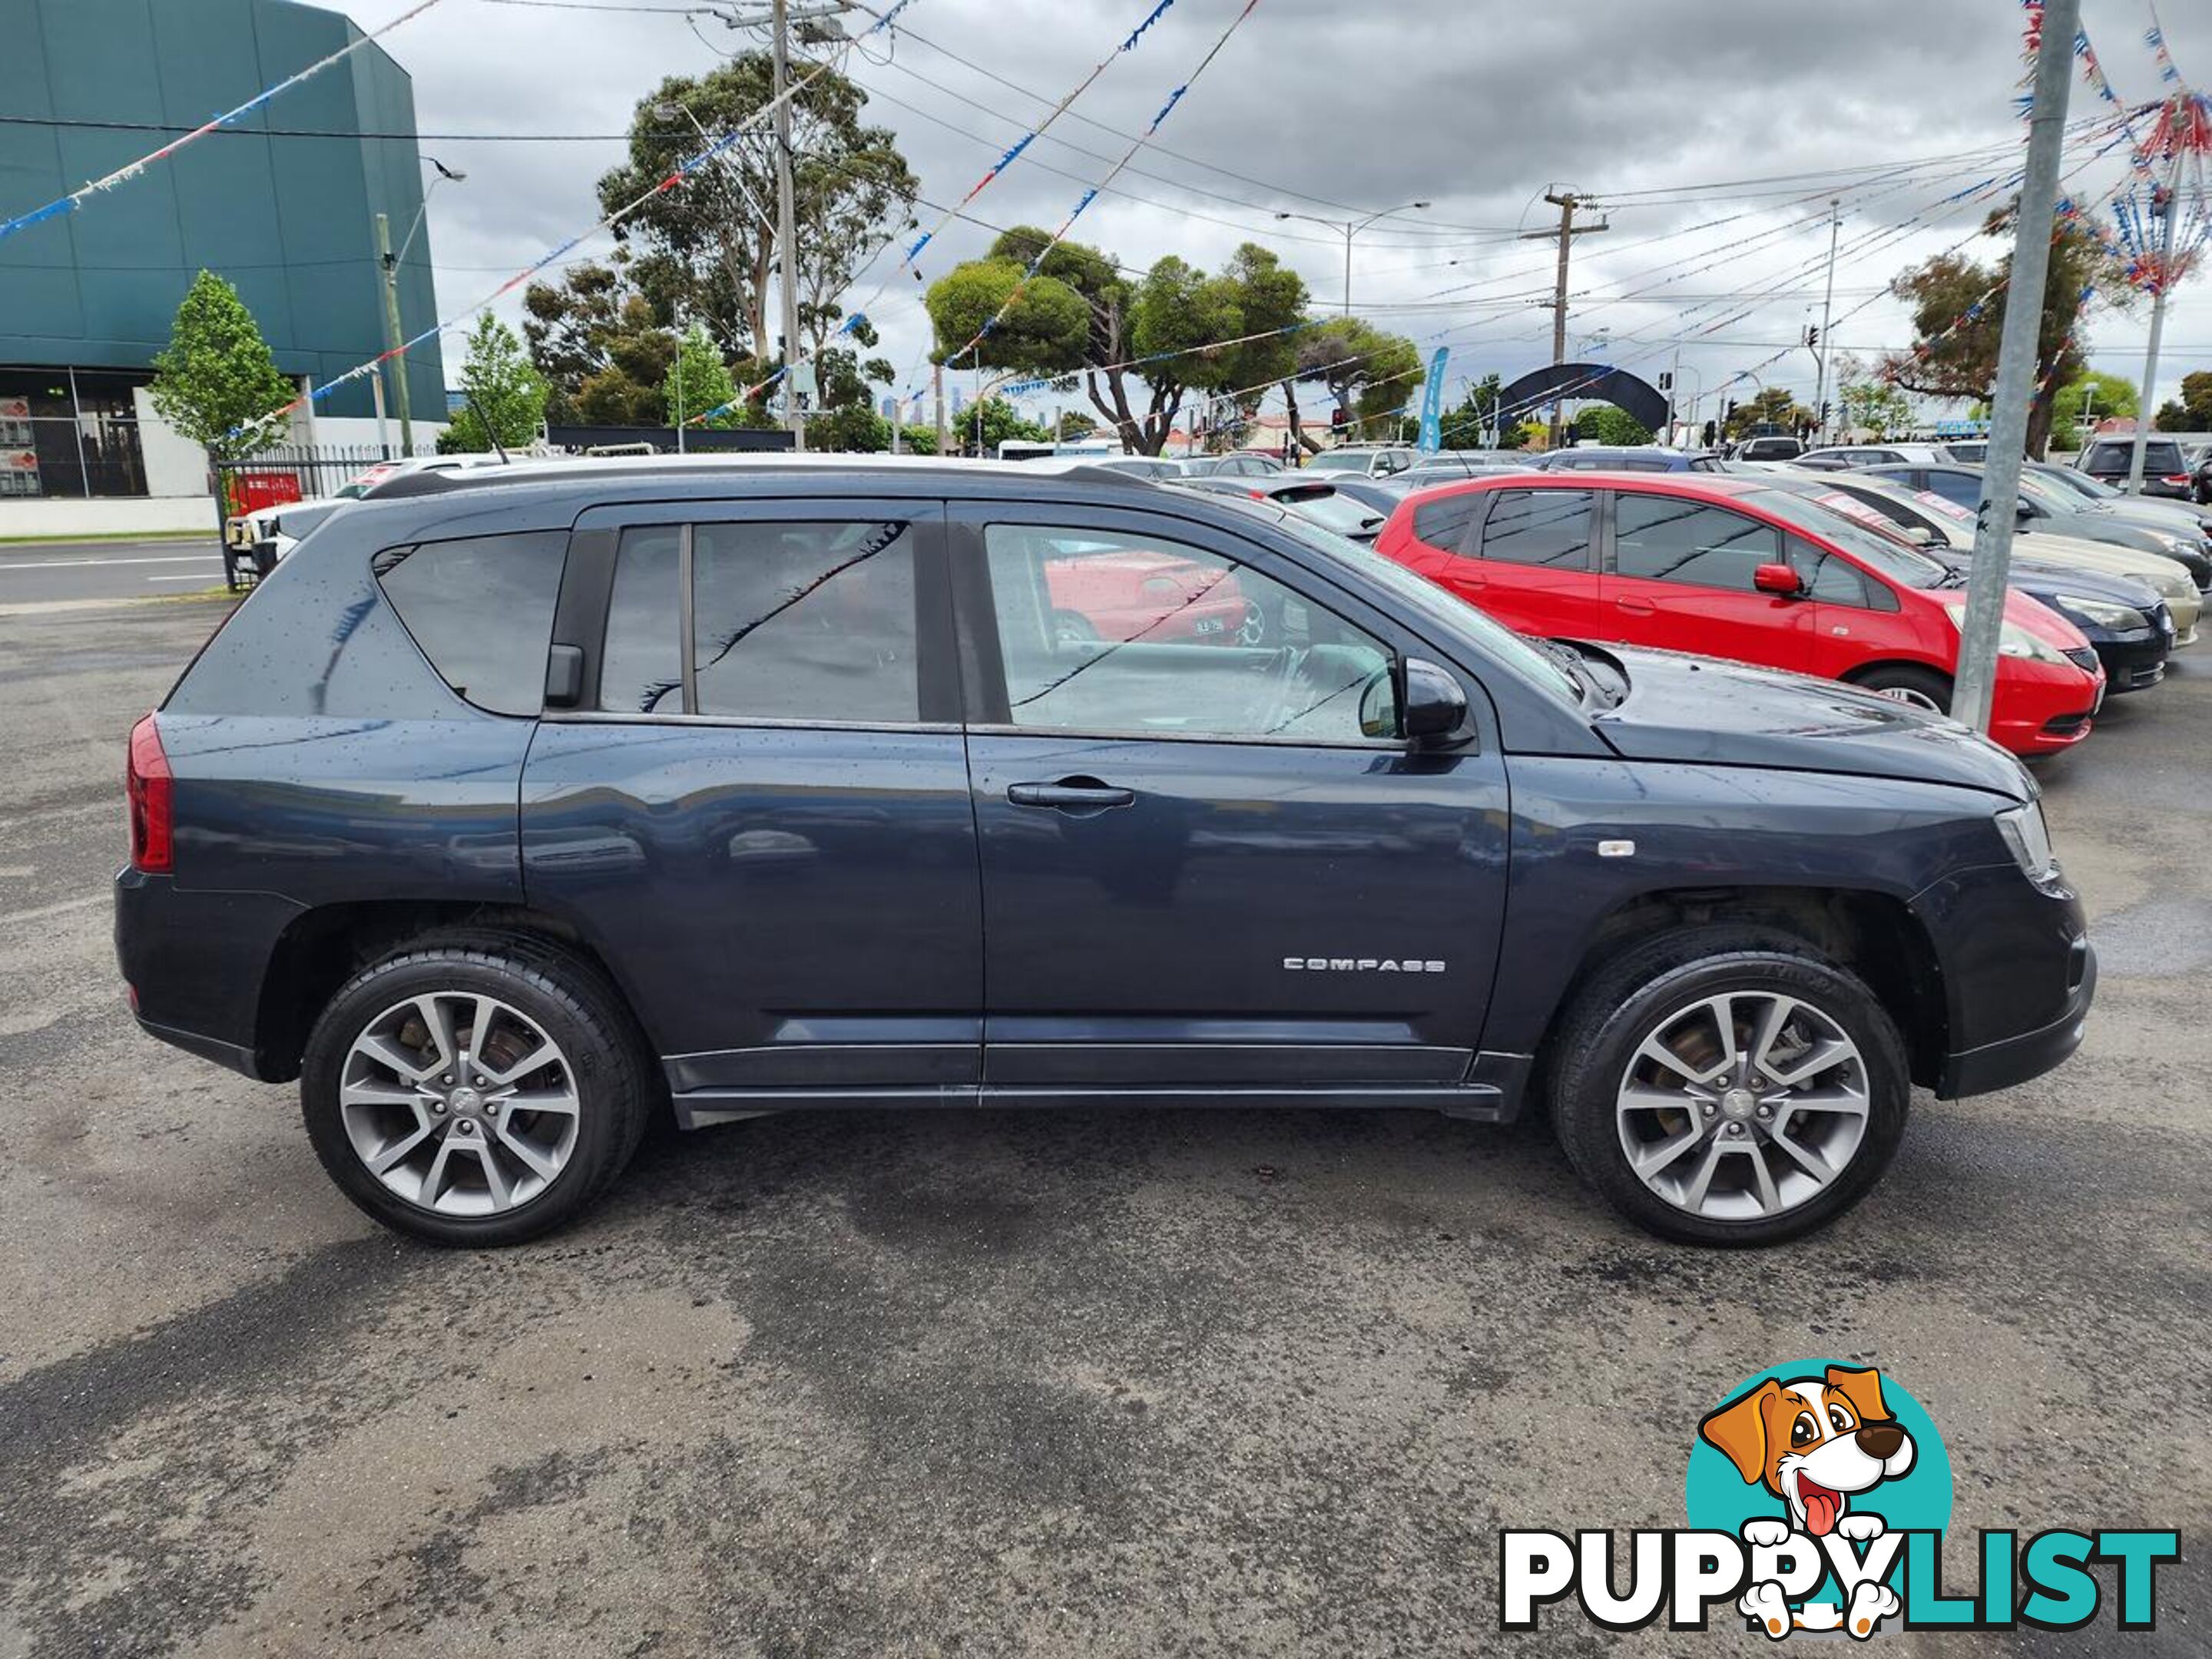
pixel 1907 683
pixel 1596 1054
pixel 539 991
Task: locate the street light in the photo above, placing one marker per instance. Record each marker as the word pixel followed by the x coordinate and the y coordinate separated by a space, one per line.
pixel 1352 228
pixel 393 337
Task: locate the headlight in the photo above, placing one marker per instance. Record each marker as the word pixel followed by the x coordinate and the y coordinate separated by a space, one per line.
pixel 2029 837
pixel 2105 613
pixel 2182 544
pixel 2013 640
pixel 2174 586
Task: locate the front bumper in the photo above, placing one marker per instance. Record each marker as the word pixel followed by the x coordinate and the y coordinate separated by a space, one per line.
pixel 2134 661
pixel 2011 1059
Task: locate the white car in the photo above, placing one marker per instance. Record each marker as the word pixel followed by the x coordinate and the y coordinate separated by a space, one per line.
pixel 268 533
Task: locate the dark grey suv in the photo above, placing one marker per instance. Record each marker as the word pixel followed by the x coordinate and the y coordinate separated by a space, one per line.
pixel 516 807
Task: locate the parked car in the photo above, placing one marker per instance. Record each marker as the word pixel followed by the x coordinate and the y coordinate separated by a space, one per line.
pixel 2200 475
pixel 2168 514
pixel 1622 457
pixel 254 538
pixel 1945 528
pixel 1769 447
pixel 1466 463
pixel 2044 507
pixel 1310 498
pixel 515 809
pixel 1729 566
pixel 1382 495
pixel 1368 461
pixel 2167 471
pixel 1973 451
pixel 1880 454
pixel 1242 464
pixel 1144 466
pixel 2126 623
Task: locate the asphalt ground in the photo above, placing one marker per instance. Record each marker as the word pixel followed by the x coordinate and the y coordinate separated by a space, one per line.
pixel 1111 1382
pixel 41 572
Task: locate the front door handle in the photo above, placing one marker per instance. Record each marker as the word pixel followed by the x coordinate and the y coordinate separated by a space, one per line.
pixel 1635 607
pixel 1071 795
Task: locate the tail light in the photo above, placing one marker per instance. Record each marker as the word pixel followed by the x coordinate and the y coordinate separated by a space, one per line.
pixel 2175 479
pixel 150 786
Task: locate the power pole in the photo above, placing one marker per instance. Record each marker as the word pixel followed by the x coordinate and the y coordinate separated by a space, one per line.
pixel 393 337
pixel 2165 205
pixel 1566 201
pixel 1981 630
pixel 1827 301
pixel 787 235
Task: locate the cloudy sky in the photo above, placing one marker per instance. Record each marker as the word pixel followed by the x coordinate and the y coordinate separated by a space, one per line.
pixel 1713 134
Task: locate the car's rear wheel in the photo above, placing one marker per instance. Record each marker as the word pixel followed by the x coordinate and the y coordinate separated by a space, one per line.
pixel 1728 1086
pixel 475 1088
pixel 1906 682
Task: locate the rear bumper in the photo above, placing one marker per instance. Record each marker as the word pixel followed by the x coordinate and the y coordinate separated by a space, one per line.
pixel 2013 1060
pixel 195 964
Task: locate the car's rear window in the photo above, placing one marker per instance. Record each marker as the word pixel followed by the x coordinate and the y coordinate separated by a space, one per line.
pixel 482 610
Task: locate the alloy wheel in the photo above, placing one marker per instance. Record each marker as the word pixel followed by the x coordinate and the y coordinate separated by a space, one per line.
pixel 1743 1106
pixel 459 1103
pixel 1906 694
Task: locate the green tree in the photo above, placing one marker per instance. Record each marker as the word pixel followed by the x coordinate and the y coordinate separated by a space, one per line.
pixel 217 376
pixel 504 389
pixel 1074 425
pixel 1961 358
pixel 1612 425
pixel 696 380
pixel 1368 372
pixel 2093 394
pixel 2191 412
pixel 997 422
pixel 1775 406
pixel 1082 320
pixel 709 247
pixel 1867 402
pixel 918 439
pixel 602 345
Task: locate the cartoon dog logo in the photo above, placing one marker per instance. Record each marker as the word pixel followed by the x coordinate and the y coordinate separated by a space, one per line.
pixel 1816 1443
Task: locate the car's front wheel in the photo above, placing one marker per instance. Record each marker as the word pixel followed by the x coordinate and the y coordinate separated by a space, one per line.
pixel 474 1089
pixel 1728 1086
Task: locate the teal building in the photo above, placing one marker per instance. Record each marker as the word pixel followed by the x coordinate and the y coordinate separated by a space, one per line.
pixel 283 204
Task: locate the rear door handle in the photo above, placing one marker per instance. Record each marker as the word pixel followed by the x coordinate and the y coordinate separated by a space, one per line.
pixel 1634 607
pixel 1071 795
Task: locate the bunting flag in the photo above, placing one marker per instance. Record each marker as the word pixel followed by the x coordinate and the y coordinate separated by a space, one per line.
pixel 77 197
pixel 683 170
pixel 1013 152
pixel 1090 195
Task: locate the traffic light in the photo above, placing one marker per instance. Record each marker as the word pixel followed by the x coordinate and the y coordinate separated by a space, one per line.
pixel 1812 334
pixel 1824 412
pixel 1729 413
pixel 1338 418
pixel 1666 382
pixel 1712 434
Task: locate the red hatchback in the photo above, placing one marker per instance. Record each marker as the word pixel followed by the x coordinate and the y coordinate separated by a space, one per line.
pixel 1728 567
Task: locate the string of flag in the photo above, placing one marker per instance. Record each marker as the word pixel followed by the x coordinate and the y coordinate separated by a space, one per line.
pixel 683 170
pixel 76 198
pixel 1090 195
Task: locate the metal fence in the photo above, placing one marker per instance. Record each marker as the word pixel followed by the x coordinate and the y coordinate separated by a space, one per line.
pixel 272 476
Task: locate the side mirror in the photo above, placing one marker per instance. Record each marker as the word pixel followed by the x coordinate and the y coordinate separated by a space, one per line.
pixel 2025 512
pixel 1779 579
pixel 1921 536
pixel 1435 707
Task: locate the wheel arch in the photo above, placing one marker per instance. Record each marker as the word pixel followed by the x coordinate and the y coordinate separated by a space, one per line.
pixel 322 948
pixel 1874 934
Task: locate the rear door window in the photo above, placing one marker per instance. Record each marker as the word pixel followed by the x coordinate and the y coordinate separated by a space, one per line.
pixel 1550 527
pixel 482 610
pixel 1443 524
pixel 794 620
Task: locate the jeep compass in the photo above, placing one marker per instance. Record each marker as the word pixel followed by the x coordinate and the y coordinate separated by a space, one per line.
pixel 518 805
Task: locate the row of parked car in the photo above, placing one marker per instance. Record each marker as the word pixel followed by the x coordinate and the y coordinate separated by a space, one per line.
pixel 1852 571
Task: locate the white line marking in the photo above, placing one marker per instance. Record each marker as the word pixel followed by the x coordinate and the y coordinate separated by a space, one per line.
pixel 190 576
pixel 8 565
